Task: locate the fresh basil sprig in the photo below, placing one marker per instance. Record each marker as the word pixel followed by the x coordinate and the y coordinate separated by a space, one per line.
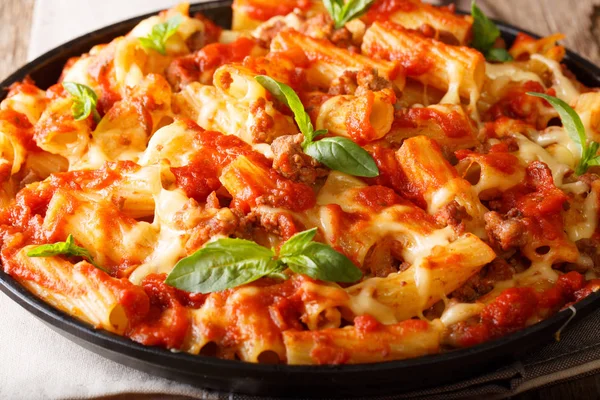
pixel 227 263
pixel 342 12
pixel 574 127
pixel 66 248
pixel 157 39
pixel 84 101
pixel 338 153
pixel 485 33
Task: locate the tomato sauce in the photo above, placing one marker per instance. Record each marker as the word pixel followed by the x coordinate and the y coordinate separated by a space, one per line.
pixel 167 322
pixel 537 196
pixel 26 87
pixel 377 197
pixel 201 176
pixel 453 124
pixel 263 10
pixel 515 103
pixel 382 10
pixel 23 128
pixel 516 308
pixel 216 54
pixel 497 158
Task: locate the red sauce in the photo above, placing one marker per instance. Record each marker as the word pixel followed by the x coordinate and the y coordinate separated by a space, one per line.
pixel 517 104
pixel 366 324
pixel 516 308
pixel 167 322
pixel 392 175
pixel 102 71
pixel 453 124
pixel 262 10
pixel 216 54
pixel 498 158
pixel 26 87
pixel 537 196
pixel 23 128
pixel 382 10
pixel 274 190
pixel 377 197
pixel 95 179
pixel 201 176
pixel 358 122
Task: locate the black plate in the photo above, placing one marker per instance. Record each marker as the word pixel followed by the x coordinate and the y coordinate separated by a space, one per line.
pixel 280 380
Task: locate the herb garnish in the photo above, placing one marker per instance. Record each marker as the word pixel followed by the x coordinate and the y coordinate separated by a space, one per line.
pixel 84 101
pixel 227 263
pixel 337 153
pixel 574 127
pixel 342 12
pixel 66 248
pixel 485 33
pixel 157 39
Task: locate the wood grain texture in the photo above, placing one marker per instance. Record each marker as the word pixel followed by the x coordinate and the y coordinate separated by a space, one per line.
pixel 15 22
pixel 579 20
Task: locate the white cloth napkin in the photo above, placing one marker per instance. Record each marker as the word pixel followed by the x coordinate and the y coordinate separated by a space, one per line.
pixel 35 361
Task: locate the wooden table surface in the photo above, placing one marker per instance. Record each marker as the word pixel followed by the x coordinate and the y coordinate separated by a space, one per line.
pixel 578 19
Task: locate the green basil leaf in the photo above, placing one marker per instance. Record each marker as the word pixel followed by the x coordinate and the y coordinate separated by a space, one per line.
pixel 343 155
pixel 570 119
pixel 353 9
pixel 296 243
pixel 500 55
pixel 574 127
pixel 222 264
pixel 334 8
pixel 287 96
pixel 84 101
pixel 66 248
pixel 485 31
pixel 342 13
pixel 157 38
pixel 320 261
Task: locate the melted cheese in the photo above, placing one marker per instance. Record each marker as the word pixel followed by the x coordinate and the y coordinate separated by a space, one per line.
pixel 171 241
pixel 565 90
pixel 455 313
pixel 455 75
pixel 512 71
pixel 586 228
pixel 364 303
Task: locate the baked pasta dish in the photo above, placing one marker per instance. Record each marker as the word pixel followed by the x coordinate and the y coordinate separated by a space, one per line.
pixel 328 182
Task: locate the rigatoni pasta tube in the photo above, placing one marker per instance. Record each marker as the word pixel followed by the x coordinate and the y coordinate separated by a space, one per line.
pixel 352 345
pixel 327 62
pixel 458 70
pixel 81 290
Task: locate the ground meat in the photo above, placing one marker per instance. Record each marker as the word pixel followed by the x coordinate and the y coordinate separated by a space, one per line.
pixel 384 258
pixel 224 222
pixel 182 71
pixel 370 80
pixel 267 32
pixel 291 162
pixel 588 178
pixel 591 248
pixel 453 214
pixel 507 231
pixel 483 282
pixel 344 84
pixel 342 38
pixel 261 131
pixel 358 83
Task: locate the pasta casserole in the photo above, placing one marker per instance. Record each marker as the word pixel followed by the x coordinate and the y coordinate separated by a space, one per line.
pixel 325 183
